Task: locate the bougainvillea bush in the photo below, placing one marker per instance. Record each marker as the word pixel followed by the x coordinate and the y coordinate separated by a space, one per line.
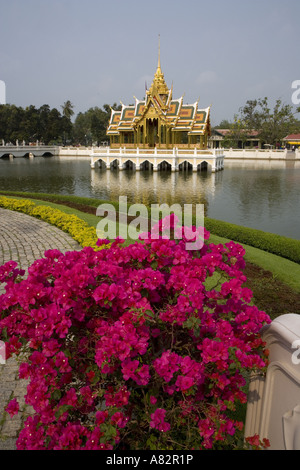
pixel 145 346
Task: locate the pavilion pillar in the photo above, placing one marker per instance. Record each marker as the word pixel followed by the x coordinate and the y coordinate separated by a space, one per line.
pixel 144 133
pixel 159 133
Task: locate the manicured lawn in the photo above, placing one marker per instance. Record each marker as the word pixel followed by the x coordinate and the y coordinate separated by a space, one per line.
pixel 282 269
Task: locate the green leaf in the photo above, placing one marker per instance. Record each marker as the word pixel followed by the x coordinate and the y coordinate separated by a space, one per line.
pixel 62 409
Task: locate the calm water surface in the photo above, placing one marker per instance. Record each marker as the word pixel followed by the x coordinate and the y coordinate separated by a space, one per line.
pixel 263 195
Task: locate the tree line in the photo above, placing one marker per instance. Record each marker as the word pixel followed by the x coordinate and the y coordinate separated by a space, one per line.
pixel 270 125
pixel 52 126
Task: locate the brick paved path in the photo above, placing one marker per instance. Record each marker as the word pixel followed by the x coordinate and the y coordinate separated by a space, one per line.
pixel 22 239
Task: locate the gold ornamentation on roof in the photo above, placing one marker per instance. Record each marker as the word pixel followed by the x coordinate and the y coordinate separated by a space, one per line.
pixel 160 121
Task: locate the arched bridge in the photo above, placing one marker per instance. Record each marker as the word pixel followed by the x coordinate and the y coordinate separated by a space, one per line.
pixel 17 151
pixel 158 159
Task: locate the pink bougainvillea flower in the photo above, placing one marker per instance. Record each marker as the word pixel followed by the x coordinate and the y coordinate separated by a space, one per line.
pixel 158 420
pixel 13 407
pixel 124 343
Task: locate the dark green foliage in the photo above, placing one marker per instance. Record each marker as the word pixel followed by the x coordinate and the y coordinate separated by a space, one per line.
pixel 31 124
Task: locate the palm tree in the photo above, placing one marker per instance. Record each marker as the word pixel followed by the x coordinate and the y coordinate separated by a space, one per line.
pixel 67 109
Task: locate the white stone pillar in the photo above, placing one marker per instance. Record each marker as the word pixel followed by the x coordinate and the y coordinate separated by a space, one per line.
pixel 174 162
pixel 174 167
pixel 195 161
pixel 137 162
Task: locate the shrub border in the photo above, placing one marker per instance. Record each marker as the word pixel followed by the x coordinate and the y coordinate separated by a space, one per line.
pixel 279 245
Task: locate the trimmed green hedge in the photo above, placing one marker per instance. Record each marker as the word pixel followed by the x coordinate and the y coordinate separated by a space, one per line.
pixel 276 244
pixel 282 246
pixel 59 198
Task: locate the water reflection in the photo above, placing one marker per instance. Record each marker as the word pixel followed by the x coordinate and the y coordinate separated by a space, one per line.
pixel 259 194
pixel 155 187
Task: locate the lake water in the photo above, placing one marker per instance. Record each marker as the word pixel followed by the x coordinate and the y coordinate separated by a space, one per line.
pixel 263 195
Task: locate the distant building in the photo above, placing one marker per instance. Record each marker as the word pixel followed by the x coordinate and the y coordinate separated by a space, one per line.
pixel 292 140
pixel 224 137
pixel 160 121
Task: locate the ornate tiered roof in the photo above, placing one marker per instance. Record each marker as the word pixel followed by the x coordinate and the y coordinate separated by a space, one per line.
pixel 179 116
pixel 159 104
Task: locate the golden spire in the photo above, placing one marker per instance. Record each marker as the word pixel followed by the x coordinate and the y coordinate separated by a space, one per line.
pixel 159 85
pixel 158 65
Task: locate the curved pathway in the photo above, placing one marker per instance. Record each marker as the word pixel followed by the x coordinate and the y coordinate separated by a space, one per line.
pixel 23 239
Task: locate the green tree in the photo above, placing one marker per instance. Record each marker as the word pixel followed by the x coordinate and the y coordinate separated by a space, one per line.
pixel 29 126
pixel 91 127
pixel 224 124
pixel 67 109
pixel 238 135
pixel 67 126
pixel 272 124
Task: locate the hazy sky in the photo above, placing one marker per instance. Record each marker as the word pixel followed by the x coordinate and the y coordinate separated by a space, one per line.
pixel 93 52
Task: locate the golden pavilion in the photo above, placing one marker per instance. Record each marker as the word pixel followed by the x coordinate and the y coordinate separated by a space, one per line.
pixel 159 121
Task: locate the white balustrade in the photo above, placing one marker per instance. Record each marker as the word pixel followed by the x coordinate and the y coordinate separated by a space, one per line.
pixel 174 157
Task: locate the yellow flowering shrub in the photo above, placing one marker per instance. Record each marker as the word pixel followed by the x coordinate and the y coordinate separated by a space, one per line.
pixel 77 228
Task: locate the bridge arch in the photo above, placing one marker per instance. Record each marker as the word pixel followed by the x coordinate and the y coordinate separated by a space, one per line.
pixel 114 163
pixel 204 166
pixel 185 166
pixel 146 165
pixel 129 165
pixel 47 154
pixel 101 163
pixel 5 156
pixel 164 166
